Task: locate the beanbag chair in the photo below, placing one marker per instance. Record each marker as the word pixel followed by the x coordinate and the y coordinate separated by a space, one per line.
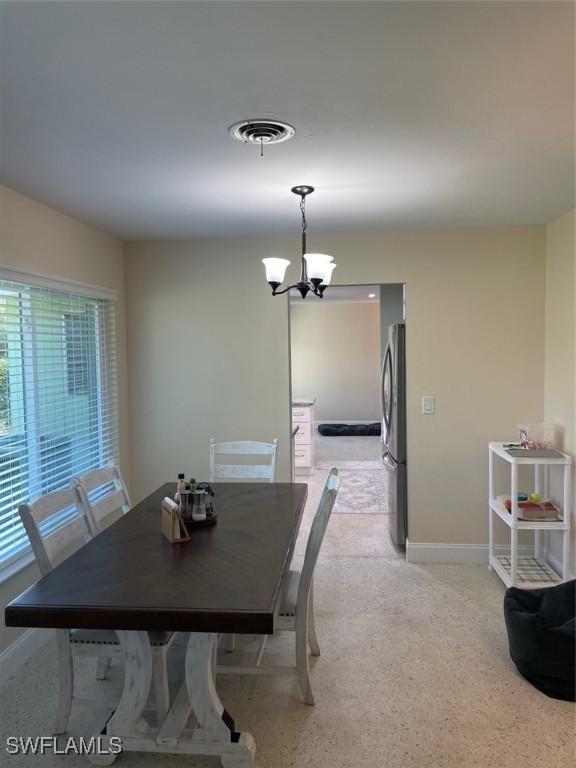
pixel 541 626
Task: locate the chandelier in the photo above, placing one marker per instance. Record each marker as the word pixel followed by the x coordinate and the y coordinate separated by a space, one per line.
pixel 315 268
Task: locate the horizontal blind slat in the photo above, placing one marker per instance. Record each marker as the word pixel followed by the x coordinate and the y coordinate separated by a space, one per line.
pixel 58 402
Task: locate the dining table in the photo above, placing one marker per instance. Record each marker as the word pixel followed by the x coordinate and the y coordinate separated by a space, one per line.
pixel 227 578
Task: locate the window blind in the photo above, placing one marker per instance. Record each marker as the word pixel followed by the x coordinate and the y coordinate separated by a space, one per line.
pixel 58 401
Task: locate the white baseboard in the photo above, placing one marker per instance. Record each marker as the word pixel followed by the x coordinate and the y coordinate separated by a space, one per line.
pixel 470 554
pixel 17 654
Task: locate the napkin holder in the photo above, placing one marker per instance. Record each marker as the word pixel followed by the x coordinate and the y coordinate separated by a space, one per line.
pixel 173 526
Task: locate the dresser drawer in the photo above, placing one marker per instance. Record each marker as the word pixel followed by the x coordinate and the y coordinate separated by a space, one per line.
pixel 302 456
pixel 302 414
pixel 304 434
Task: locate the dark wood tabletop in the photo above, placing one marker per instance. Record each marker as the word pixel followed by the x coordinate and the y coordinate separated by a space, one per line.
pixel 225 579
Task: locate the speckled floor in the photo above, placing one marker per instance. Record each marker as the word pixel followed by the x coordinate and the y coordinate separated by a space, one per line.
pixel 414 673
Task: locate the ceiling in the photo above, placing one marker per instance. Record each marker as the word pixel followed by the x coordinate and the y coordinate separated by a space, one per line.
pixel 364 294
pixel 408 114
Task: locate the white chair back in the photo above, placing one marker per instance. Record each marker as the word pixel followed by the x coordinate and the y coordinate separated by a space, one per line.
pixel 48 541
pixel 102 492
pixel 242 471
pixel 317 531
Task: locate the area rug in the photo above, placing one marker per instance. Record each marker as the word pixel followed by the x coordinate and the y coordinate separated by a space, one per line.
pixel 363 492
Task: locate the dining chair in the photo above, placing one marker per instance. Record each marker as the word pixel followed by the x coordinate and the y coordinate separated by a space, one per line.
pixel 102 492
pixel 55 524
pixel 222 471
pixel 296 612
pixel 243 471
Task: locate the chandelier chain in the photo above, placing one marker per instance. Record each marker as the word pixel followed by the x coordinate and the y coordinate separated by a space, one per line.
pixel 303 211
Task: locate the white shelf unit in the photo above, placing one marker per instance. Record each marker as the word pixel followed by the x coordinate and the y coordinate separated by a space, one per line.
pixel 528 572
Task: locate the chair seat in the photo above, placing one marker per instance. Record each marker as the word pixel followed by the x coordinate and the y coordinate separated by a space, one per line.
pixel 109 637
pixel 290 594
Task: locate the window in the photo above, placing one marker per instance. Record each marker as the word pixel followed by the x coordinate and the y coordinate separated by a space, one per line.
pixel 78 334
pixel 58 409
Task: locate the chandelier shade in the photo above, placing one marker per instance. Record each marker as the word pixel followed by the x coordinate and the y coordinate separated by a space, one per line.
pixel 317 265
pixel 275 269
pixel 328 276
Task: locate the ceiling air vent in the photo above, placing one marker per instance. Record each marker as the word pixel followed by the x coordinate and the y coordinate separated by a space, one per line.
pixel 261 132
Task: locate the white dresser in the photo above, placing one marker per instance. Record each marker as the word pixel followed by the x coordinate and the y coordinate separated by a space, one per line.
pixel 303 418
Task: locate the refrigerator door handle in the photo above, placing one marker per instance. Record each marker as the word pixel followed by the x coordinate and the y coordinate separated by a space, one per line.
pixel 387 406
pixel 382 375
pixel 388 462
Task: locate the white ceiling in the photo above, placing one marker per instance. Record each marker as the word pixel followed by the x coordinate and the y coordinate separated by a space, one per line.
pixel 408 114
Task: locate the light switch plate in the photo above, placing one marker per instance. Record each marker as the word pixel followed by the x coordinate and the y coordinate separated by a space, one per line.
pixel 428 407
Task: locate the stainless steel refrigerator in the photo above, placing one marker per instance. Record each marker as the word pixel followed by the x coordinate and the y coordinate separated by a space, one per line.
pixel 394 431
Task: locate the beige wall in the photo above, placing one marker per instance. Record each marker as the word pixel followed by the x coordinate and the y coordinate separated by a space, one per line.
pixel 208 353
pixel 559 378
pixel 336 358
pixel 205 332
pixel 40 240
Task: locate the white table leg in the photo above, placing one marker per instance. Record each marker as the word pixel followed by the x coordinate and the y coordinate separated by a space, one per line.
pixel 160 682
pixel 126 722
pixel 214 724
pixel 137 679
pixel 196 723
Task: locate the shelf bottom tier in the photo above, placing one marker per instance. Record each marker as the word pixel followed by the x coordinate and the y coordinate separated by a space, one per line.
pixel 531 571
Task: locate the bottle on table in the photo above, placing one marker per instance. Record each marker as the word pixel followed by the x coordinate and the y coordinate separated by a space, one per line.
pixel 180 485
pixel 185 502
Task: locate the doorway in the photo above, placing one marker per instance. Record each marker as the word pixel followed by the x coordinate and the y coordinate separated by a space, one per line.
pixel 338 346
